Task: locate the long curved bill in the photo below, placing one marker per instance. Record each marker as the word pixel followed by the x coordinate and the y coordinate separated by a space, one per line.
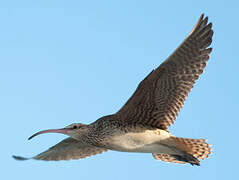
pixel 62 131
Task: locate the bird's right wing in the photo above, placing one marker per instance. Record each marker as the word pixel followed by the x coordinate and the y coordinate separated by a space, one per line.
pixel 67 149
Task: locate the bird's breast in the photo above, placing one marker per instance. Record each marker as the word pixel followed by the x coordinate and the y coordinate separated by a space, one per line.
pixel 147 141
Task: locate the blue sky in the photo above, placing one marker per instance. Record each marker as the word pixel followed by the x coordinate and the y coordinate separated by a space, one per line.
pixel 73 61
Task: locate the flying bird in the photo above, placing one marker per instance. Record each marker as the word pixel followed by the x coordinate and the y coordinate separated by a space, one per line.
pixel 141 125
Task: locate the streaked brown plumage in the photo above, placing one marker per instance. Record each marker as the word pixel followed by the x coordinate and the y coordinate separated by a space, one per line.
pixel 141 125
pixel 164 90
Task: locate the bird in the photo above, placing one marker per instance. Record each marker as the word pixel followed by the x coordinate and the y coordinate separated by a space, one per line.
pixel 141 125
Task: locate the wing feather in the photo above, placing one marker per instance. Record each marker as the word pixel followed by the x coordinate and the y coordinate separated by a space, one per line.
pixel 160 96
pixel 67 149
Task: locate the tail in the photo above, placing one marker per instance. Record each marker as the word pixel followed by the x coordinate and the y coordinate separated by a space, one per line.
pixel 191 150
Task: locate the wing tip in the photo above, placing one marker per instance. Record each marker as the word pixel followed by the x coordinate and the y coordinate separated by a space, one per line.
pixel 202 21
pixel 20 158
pixel 201 17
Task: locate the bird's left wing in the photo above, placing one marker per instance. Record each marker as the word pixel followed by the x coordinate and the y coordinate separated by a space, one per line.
pixel 160 96
pixel 67 149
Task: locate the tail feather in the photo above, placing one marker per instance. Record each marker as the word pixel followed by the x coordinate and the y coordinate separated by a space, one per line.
pixel 167 158
pixel 189 151
pixel 174 158
pixel 195 147
pixel 187 158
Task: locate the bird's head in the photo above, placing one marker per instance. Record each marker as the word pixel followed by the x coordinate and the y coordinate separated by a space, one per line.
pixel 73 130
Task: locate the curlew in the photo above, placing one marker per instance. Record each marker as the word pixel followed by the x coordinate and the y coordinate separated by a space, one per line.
pixel 141 125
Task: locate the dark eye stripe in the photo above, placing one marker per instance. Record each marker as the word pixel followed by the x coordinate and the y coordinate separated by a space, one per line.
pixel 74 127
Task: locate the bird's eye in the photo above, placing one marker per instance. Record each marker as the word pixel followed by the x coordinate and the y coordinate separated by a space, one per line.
pixel 74 127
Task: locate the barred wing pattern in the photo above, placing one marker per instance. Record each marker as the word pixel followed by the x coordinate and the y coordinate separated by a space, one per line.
pixel 160 96
pixel 67 149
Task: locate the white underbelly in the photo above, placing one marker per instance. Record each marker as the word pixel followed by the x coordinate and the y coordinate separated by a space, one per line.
pixel 149 141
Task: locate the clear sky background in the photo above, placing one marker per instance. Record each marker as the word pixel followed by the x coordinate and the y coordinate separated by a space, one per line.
pixel 73 61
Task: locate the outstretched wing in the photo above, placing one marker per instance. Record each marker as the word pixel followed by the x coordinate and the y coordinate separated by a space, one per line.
pixel 67 149
pixel 161 95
